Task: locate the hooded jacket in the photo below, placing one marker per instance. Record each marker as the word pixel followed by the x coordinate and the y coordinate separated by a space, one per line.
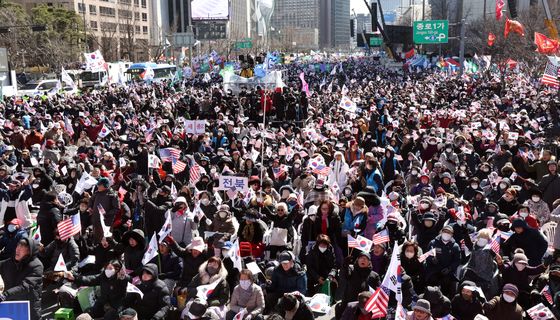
pixel 156 301
pixel 292 280
pixel 354 219
pixel 448 256
pixel 220 295
pixel 498 309
pixel 113 290
pixel 48 218
pixel 463 309
pixel 23 280
pixel 532 241
pixel 357 280
pixel 440 304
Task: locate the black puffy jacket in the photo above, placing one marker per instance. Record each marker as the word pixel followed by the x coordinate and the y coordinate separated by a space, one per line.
pixel 23 280
pixel 156 301
pixel 113 290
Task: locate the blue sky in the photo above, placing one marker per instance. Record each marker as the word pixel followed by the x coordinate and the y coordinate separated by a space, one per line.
pixel 360 7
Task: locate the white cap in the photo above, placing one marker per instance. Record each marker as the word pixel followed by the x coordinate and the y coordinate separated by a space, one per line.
pixel 180 200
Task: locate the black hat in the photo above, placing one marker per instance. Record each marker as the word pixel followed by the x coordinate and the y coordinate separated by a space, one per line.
pixel 197 308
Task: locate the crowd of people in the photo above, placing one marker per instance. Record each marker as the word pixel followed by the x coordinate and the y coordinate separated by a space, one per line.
pixel 459 173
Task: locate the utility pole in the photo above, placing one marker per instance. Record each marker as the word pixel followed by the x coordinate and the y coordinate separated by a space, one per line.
pixel 462 48
pixel 85 29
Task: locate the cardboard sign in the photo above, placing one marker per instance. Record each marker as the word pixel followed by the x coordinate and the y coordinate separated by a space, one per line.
pixel 240 184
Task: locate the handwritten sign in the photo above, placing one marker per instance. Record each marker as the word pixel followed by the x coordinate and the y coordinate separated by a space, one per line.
pixel 240 184
pixel 195 126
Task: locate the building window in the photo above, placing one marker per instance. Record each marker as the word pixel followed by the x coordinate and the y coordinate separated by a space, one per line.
pixel 143 3
pixel 144 16
pixel 81 7
pixel 92 9
pixel 108 26
pixel 145 30
pixel 93 25
pixel 137 29
pixel 106 11
pixel 125 14
pixel 125 1
pixel 136 15
pixel 137 3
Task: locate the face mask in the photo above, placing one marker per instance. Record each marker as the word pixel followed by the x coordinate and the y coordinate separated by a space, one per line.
pixel 482 243
pixel 520 266
pixel 536 198
pixel 322 249
pixel 245 284
pixel 445 237
pixel 109 273
pixel 503 185
pixel 463 168
pixel 474 186
pixel 524 214
pixel 313 217
pixel 448 150
pixel 211 269
pixel 296 165
pixel 11 228
pixel 424 206
pixel 414 172
pixel 409 254
pixel 205 202
pixel 223 214
pixel 508 298
pixel 485 170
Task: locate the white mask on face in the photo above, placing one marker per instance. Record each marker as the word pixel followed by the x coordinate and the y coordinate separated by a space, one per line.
pixel 424 206
pixel 503 185
pixel 520 266
pixel 482 242
pixel 524 214
pixel 446 236
pixel 205 202
pixel 223 214
pixel 322 249
pixel 313 217
pixel 474 185
pixel 508 298
pixel 109 273
pixel 536 198
pixel 448 150
pixel 414 172
pixel 245 284
pixel 409 254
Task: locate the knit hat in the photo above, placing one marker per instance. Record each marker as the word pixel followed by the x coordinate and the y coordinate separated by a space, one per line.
pixel 520 257
pixel 103 182
pixel 423 305
pixel 511 288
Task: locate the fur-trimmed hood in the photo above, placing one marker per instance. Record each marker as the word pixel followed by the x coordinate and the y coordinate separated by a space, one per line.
pixel 205 277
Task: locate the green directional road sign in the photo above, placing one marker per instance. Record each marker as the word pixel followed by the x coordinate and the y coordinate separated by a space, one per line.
pixel 244 44
pixel 375 42
pixel 431 31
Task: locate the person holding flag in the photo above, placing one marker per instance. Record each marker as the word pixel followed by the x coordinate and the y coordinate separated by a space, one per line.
pixel 441 268
pixel 357 277
pixel 211 273
pixel 247 295
pixel 133 245
pixel 480 268
pixel 112 282
pixel 155 302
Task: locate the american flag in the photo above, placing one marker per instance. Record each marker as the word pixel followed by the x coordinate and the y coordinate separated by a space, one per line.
pixel 278 171
pixel 168 154
pixel 495 244
pixel 378 303
pixel 100 209
pixel 425 256
pixel 195 172
pixel 318 167
pixel 546 293
pixel 178 166
pixel 505 235
pixel 381 237
pixel 550 75
pixel 69 227
pixel 352 242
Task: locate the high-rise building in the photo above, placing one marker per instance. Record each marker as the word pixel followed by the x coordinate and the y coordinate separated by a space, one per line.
pixel 334 23
pixel 241 20
pixel 296 23
pixel 119 28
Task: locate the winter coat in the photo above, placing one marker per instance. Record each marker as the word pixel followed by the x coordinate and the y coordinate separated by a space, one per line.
pixel 190 263
pixel 448 256
pixel 132 256
pixel 510 274
pixel 154 213
pixel 156 301
pixel 415 269
pixel 320 264
pixel 338 174
pixel 220 295
pixel 305 183
pixel 550 186
pixel 440 304
pixel 47 219
pixel 481 263
pixel 555 216
pixel 183 228
pixel 292 280
pixel 463 309
pixel 9 241
pixel 357 280
pixel 113 290
pixel 303 311
pixel 69 250
pixel 23 280
pixel 539 209
pixel 333 227
pixel 171 266
pixel 223 225
pixel 498 309
pixel 355 220
pixel 110 202
pixel 375 214
pixel 532 241
pixel 255 303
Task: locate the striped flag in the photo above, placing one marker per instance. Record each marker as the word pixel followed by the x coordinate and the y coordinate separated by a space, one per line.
pixel 378 303
pixel 168 154
pixel 505 235
pixel 100 209
pixel 550 75
pixel 195 172
pixel 362 243
pixel 546 293
pixel 352 242
pixel 381 237
pixel 178 166
pixel 69 227
pixel 495 244
pixel 425 256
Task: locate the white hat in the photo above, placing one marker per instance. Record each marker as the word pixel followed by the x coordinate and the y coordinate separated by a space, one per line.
pixel 180 200
pixel 197 244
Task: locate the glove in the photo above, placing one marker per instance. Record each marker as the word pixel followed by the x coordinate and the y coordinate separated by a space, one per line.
pixel 2 297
